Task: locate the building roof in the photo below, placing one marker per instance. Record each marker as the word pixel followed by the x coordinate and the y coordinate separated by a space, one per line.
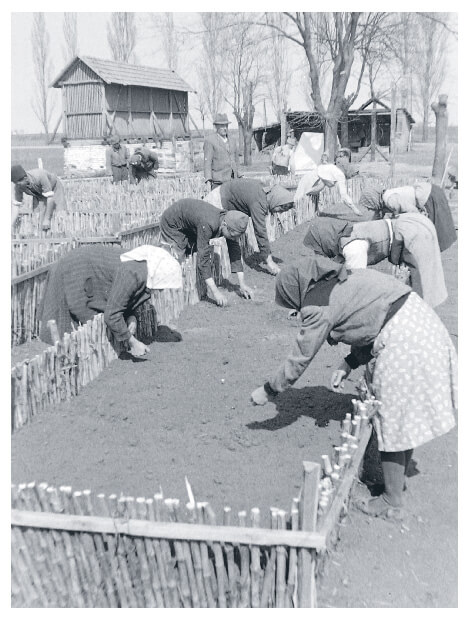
pixel 112 72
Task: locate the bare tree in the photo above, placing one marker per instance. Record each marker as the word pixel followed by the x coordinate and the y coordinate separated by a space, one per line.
pixel 40 42
pixel 122 36
pixel 69 27
pixel 171 39
pixel 244 76
pixel 279 71
pixel 213 62
pixel 432 46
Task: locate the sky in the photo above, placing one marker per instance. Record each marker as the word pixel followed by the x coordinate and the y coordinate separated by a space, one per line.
pixel 93 42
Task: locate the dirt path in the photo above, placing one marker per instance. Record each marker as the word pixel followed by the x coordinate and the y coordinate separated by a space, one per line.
pixel 186 411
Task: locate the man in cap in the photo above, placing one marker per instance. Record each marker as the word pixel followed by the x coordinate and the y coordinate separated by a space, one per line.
pixel 189 224
pixel 117 157
pixel 220 158
pixel 250 197
pixel 143 164
pixel 45 188
pixel 343 162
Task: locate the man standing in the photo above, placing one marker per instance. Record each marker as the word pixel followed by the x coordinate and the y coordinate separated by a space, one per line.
pixel 45 188
pixel 117 156
pixel 142 165
pixel 220 158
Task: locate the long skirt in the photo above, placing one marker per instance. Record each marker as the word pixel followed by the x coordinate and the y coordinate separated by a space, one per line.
pixel 414 375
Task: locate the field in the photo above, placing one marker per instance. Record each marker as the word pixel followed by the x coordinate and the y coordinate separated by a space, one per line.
pixel 185 410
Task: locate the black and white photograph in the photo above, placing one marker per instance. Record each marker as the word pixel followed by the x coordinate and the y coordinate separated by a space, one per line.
pixel 234 306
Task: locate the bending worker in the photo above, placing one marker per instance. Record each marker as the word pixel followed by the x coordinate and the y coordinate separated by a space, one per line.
pixel 408 239
pixel 143 164
pixel 426 198
pixel 325 175
pixel 249 196
pixel 94 279
pixel 190 224
pixel 388 327
pixel 45 188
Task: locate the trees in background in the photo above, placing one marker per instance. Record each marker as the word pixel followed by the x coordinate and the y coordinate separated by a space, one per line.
pixel 42 103
pixel 69 28
pixel 171 39
pixel 279 68
pixel 122 36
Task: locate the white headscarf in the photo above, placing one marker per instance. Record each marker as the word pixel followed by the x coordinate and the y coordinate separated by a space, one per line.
pixel 328 173
pixel 164 271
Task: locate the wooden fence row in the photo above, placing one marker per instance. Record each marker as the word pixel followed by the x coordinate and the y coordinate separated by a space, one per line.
pixel 79 549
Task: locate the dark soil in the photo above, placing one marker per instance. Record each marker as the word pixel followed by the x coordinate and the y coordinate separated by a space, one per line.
pixel 185 410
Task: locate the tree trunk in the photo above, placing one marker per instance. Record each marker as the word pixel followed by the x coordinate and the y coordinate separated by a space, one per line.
pixel 241 139
pixel 331 137
pixel 344 130
pixel 373 133
pixel 440 110
pixel 247 135
pixel 425 134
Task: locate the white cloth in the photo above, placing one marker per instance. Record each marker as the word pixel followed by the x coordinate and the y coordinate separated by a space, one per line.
pixel 164 271
pixel 330 175
pixel 355 254
pixel 214 198
pixel 400 199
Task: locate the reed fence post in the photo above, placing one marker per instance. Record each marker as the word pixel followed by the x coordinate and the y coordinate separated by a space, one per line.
pixel 308 520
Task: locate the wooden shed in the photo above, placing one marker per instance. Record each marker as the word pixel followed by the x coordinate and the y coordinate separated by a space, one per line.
pixel 360 125
pixel 103 97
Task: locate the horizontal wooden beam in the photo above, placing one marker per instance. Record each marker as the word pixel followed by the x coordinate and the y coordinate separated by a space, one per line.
pixel 167 530
pixel 334 510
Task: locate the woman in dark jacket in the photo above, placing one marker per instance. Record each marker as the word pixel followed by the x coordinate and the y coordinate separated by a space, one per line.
pixel 411 361
pixel 95 279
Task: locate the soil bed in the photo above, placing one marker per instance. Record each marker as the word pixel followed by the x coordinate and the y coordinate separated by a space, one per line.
pixel 185 410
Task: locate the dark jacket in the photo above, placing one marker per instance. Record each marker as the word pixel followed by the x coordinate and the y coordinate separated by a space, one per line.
pixel 190 222
pixel 220 159
pixel 90 280
pixel 248 196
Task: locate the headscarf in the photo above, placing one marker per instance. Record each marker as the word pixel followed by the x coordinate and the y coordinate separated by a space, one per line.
pixel 324 235
pixel 371 197
pixel 400 199
pixel 136 159
pixel 236 222
pixel 17 173
pixel 163 271
pixel 279 196
pixel 296 280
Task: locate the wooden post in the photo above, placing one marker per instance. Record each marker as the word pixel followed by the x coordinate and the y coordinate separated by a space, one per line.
pixel 52 326
pixel 440 110
pixel 393 126
pixel 373 132
pixel 308 520
pixel 283 128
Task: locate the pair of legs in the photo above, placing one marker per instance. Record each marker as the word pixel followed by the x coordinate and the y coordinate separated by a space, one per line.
pixel 120 174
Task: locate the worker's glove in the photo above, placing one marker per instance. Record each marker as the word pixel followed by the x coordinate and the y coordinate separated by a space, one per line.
pixel 220 299
pixel 132 325
pixel 137 348
pixel 259 396
pixel 246 292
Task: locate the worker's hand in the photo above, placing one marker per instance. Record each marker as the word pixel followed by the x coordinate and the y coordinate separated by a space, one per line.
pixel 137 348
pixel 246 292
pixel 272 267
pixel 355 209
pixel 46 225
pixel 132 325
pixel 338 377
pixel 259 396
pixel 220 299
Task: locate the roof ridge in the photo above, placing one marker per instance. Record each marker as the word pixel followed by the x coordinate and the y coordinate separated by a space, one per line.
pixel 128 64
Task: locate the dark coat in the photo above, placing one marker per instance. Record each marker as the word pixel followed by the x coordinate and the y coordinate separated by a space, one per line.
pixel 190 224
pixel 90 280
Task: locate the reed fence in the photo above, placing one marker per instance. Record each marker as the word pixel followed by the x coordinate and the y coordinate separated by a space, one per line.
pixel 80 549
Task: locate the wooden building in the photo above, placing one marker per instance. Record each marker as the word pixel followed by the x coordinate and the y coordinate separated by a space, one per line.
pixel 358 131
pixel 103 97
